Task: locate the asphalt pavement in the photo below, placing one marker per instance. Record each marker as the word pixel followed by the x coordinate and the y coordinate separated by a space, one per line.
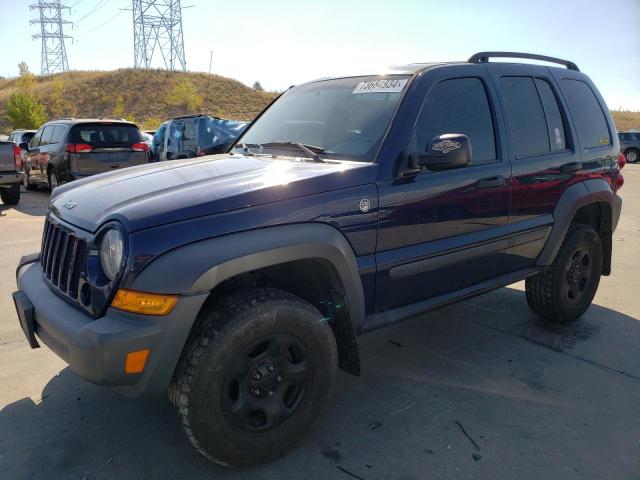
pixel 483 389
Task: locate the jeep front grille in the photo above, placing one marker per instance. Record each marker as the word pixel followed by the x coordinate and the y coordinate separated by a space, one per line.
pixel 63 256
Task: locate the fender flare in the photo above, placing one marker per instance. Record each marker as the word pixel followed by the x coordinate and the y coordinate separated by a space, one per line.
pixel 574 198
pixel 201 266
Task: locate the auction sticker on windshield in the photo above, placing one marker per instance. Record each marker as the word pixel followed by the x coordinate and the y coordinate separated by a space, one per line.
pixel 387 85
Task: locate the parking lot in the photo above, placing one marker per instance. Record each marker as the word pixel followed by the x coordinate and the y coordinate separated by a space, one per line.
pixel 482 389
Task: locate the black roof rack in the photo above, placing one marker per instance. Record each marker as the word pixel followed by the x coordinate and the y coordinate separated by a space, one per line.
pixel 483 57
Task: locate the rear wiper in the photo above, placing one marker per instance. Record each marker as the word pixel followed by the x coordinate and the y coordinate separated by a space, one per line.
pixel 308 149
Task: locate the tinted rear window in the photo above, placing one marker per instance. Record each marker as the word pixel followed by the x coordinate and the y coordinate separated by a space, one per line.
pixel 26 137
pixel 587 114
pixel 528 122
pixel 105 134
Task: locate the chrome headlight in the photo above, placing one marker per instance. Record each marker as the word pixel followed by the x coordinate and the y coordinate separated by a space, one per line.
pixel 111 253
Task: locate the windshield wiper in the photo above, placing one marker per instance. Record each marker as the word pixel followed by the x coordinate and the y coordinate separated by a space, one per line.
pixel 247 150
pixel 308 149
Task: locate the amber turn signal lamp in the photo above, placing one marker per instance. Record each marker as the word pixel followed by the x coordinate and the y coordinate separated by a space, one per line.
pixel 135 361
pixel 144 303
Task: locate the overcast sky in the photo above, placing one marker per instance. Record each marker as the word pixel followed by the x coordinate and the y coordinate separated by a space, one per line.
pixel 287 42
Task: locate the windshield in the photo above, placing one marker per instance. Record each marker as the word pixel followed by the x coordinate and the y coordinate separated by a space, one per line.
pixel 345 118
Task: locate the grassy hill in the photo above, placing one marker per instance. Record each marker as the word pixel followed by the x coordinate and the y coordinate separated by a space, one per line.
pixel 142 95
pixel 138 94
pixel 626 120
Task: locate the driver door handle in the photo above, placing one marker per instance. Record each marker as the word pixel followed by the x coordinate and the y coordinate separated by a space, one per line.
pixel 492 182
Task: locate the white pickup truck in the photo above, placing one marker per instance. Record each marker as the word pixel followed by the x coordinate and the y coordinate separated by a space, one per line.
pixel 10 173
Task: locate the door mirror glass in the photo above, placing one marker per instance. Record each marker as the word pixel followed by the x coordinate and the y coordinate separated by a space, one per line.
pixel 444 152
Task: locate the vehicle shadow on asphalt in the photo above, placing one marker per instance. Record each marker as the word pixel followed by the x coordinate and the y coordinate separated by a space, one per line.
pixel 482 389
pixel 34 203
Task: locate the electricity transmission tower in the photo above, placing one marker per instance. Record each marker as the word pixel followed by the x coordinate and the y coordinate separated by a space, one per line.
pixel 157 25
pixel 54 54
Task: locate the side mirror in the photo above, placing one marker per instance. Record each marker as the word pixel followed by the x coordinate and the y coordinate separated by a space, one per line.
pixel 24 146
pixel 444 152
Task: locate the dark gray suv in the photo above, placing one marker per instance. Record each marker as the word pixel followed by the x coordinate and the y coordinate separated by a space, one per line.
pixel 66 149
pixel 630 146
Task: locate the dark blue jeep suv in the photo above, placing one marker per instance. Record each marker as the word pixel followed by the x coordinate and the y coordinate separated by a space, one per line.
pixel 240 282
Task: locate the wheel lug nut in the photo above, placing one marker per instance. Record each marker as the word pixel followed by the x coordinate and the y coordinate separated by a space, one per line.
pixel 279 378
pixel 257 376
pixel 270 393
pixel 270 367
pixel 256 391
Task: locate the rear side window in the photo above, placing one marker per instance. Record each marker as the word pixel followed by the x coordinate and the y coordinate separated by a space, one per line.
pixel 26 137
pixel 106 134
pixel 459 105
pixel 58 132
pixel 625 136
pixel 528 123
pixel 586 112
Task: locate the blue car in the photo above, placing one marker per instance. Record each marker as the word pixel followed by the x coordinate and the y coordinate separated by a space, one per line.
pixel 194 136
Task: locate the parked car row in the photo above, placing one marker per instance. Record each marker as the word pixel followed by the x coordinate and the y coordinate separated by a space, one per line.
pixel 66 149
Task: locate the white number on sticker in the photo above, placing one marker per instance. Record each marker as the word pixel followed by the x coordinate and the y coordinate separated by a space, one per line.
pixel 379 86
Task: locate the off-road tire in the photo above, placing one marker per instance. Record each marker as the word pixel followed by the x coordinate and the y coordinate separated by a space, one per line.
pixel 224 332
pixel 549 292
pixel 10 196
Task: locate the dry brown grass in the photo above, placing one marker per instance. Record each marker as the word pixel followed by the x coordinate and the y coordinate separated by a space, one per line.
pixel 626 120
pixel 143 94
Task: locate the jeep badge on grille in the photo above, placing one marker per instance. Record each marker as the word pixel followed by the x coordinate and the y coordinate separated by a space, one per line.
pixel 70 204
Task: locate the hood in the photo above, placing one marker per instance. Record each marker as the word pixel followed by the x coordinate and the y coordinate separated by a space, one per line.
pixel 166 192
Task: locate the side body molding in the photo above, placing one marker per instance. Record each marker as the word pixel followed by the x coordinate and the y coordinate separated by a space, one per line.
pixel 201 266
pixel 574 198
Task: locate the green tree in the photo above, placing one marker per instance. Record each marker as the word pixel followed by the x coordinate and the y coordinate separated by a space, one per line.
pixel 185 94
pixel 23 110
pixel 26 78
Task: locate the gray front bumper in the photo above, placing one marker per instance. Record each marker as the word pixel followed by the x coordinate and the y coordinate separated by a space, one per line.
pixel 96 348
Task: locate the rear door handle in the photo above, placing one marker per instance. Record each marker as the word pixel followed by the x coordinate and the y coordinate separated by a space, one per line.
pixel 571 167
pixel 492 182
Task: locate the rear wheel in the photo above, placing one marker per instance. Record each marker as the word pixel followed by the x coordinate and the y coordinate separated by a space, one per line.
pixel 632 155
pixel 10 196
pixel 255 376
pixel 564 291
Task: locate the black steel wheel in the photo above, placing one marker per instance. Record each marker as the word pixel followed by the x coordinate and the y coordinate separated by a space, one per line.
pixel 258 370
pixel 266 383
pixel 563 292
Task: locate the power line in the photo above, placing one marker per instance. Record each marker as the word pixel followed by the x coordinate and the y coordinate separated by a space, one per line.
pixel 99 5
pixel 97 27
pixel 53 57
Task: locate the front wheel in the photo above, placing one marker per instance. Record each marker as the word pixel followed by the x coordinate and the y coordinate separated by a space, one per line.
pixel 563 292
pixel 53 179
pixel 255 377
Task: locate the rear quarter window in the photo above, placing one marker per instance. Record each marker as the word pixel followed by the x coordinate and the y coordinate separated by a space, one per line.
pixel 587 114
